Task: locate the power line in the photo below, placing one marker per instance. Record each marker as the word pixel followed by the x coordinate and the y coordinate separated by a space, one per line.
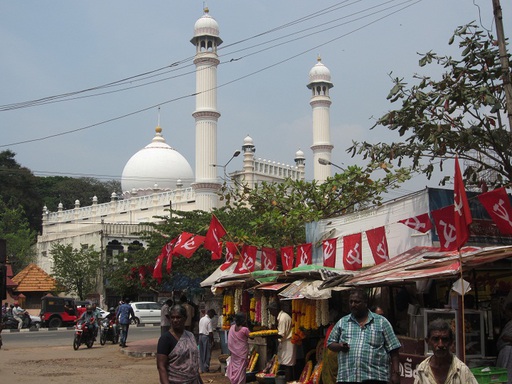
pixel 47 100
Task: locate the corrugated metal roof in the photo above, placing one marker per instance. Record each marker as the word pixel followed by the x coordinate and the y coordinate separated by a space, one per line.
pixel 427 262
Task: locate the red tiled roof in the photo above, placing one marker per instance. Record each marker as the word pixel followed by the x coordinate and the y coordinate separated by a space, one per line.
pixel 34 279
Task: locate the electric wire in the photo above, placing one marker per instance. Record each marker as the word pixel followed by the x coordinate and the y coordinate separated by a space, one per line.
pixel 219 86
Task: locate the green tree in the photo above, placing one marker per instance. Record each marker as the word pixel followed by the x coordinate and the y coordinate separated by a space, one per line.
pixel 20 238
pixel 65 190
pixel 280 210
pixel 463 112
pixel 76 270
pixel 18 186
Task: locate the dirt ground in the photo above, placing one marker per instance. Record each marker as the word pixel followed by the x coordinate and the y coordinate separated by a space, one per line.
pixel 62 364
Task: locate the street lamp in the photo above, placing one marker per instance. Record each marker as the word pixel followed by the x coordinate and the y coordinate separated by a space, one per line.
pixel 327 162
pixel 235 154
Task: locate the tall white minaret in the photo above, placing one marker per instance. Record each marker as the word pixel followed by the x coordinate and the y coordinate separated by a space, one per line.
pixel 206 39
pixel 320 83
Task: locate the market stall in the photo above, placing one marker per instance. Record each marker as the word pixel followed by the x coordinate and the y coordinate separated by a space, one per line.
pixel 425 284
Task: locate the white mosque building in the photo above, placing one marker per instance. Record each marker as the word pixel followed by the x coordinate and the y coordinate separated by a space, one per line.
pixel 158 177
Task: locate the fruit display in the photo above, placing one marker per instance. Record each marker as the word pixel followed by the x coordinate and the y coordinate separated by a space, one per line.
pixel 263 333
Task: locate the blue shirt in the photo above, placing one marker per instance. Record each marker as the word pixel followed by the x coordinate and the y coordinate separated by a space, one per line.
pixel 368 357
pixel 125 313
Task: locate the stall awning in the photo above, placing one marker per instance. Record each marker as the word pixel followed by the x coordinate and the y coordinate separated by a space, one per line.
pixel 305 289
pixel 427 262
pixel 271 286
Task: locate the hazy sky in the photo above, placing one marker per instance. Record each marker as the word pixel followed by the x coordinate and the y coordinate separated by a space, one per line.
pixel 52 48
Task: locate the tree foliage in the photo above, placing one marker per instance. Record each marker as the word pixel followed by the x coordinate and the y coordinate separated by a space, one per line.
pixel 463 112
pixel 66 190
pixel 19 187
pixel 76 270
pixel 279 211
pixel 20 238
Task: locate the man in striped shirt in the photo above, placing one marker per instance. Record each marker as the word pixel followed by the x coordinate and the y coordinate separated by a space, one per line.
pixel 366 344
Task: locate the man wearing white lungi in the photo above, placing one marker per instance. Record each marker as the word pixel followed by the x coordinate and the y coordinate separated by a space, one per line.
pixel 286 350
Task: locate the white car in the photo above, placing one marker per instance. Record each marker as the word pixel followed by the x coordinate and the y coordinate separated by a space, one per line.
pixel 146 312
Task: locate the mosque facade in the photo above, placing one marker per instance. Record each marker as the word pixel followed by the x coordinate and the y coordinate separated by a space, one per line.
pixel 158 178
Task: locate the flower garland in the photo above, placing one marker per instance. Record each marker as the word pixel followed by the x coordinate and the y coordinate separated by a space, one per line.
pixel 252 310
pixel 238 299
pixel 264 311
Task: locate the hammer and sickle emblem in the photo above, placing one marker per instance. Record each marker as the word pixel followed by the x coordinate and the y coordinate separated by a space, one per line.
pixel 414 223
pixel 189 244
pixel 354 256
pixel 328 251
pixel 268 263
pixel 381 251
pixel 501 211
pixel 248 261
pixel 449 233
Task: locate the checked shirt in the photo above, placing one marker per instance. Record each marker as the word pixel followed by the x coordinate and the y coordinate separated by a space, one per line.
pixel 368 357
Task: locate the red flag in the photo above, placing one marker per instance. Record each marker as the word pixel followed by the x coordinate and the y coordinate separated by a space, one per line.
pixel 329 252
pixel 268 259
pixel 378 244
pixel 181 240
pixel 169 247
pixel 215 232
pixel 247 261
pixel 142 275
pixel 304 255
pixel 157 271
pixel 444 219
pixel 217 255
pixel 420 223
pixel 352 252
pixel 231 251
pixel 287 257
pixel 461 208
pixel 187 248
pixel 497 204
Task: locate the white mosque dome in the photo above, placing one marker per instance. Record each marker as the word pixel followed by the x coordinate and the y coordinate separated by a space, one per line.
pixel 320 74
pixel 156 163
pixel 206 26
pixel 299 154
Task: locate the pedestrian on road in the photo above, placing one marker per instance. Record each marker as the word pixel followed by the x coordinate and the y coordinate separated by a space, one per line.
pixel 238 345
pixel 365 342
pixel 124 315
pixel 189 323
pixel 442 366
pixel 206 340
pixel 286 350
pixel 177 356
pixel 165 323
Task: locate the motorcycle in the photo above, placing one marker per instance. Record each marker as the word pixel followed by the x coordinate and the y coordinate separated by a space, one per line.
pixel 11 323
pixel 84 334
pixel 109 331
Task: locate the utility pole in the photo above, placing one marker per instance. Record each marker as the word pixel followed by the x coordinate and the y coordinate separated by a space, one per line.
pixel 498 19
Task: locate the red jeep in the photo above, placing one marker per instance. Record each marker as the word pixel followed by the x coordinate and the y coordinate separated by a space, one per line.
pixel 58 311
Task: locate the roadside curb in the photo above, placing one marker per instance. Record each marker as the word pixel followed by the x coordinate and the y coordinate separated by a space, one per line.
pixel 65 328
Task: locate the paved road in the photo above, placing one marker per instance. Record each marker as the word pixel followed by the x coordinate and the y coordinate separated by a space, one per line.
pixel 64 337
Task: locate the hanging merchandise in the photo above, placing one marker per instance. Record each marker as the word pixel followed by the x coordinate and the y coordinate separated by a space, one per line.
pixel 252 310
pixel 238 300
pixel 324 312
pixel 227 309
pixel 264 311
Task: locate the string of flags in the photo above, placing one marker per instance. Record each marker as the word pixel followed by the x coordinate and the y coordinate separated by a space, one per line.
pixel 451 223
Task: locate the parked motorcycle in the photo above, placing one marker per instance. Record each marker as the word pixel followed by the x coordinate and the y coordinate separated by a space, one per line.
pixel 84 334
pixel 11 323
pixel 109 331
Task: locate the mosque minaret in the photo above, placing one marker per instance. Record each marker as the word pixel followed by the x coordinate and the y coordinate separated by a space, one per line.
pixel 320 83
pixel 206 39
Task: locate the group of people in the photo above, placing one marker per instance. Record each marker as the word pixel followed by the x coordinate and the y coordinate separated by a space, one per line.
pixel 123 315
pixel 15 310
pixel 363 345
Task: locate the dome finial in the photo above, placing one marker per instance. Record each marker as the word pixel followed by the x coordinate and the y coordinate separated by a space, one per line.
pixel 318 58
pixel 158 129
pixel 205 7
